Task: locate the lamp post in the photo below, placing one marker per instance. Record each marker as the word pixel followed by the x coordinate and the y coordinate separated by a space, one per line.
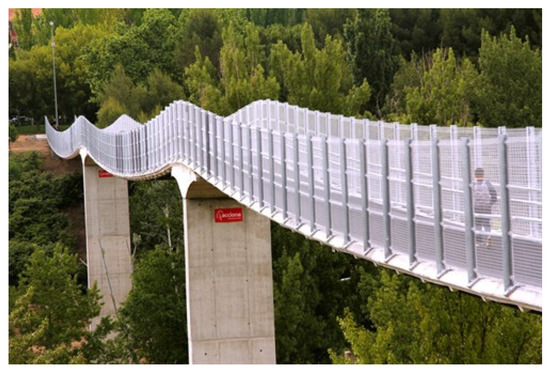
pixel 54 82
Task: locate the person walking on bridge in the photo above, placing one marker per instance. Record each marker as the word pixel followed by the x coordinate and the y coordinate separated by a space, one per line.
pixel 485 196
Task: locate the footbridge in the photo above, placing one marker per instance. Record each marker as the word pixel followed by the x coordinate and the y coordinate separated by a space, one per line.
pixel 400 196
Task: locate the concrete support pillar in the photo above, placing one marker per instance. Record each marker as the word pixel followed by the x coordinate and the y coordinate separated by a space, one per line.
pixel 229 277
pixel 107 236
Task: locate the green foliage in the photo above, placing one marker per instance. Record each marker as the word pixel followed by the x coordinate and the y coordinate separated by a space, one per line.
pixel 52 310
pixel 425 324
pixel 444 96
pixel 309 293
pixel 242 75
pixel 36 200
pixel 154 311
pixel 119 95
pixel 197 28
pixel 319 79
pixel 13 133
pixel 510 89
pixel 373 52
pixel 156 215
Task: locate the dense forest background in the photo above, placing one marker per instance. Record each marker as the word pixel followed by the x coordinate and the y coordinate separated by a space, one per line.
pixel 429 66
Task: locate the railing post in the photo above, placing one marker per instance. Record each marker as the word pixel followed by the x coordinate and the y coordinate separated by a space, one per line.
pixel 326 189
pixel 469 235
pixel 531 175
pixel 250 163
pixel 260 167
pixel 200 140
pixel 214 147
pixel 206 126
pixel 385 190
pixel 453 132
pixel 437 206
pixel 222 153
pixel 187 133
pixel 411 227
pixel 170 131
pixel 241 162
pixel 505 212
pixel 283 176
pixel 364 195
pixel 271 172
pixel 194 136
pixel 296 159
pixel 344 188
pixel 311 183
pixel 231 158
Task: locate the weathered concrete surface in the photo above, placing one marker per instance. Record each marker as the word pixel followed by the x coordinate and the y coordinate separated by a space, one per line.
pixel 229 279
pixel 107 236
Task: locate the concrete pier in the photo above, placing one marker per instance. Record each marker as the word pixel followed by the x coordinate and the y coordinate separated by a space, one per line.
pixel 107 236
pixel 229 277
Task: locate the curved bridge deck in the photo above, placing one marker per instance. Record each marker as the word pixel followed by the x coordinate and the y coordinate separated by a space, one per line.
pixel 397 195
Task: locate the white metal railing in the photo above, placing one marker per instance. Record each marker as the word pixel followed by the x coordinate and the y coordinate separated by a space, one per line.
pixel 403 188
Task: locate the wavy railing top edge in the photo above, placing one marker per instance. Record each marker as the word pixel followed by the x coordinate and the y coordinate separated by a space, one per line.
pixel 115 127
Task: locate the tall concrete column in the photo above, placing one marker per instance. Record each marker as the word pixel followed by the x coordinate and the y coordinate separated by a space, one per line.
pixel 229 277
pixel 107 236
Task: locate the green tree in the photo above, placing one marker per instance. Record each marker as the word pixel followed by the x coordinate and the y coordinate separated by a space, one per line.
pixel 197 28
pixel 119 95
pixel 425 323
pixel 510 88
pixel 319 79
pixel 416 30
pixel 373 52
pixel 52 310
pixel 312 286
pixel 156 215
pixel 22 24
pixel 138 47
pixel 31 84
pixel 242 75
pixel 326 22
pixel 154 311
pixel 445 93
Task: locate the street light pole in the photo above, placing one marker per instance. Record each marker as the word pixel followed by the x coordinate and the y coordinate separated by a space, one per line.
pixel 54 79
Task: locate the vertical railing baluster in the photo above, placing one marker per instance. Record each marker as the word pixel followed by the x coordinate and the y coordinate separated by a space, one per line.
pixel 271 173
pixel 284 198
pixel 531 176
pixel 231 158
pixel 296 159
pixel 469 237
pixel 364 196
pixel 223 173
pixel 250 163
pixel 214 145
pixel 326 188
pixel 344 188
pixel 411 226
pixel 260 167
pixel 385 185
pixel 437 206
pixel 311 183
pixel 187 133
pixel 241 162
pixel 505 212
